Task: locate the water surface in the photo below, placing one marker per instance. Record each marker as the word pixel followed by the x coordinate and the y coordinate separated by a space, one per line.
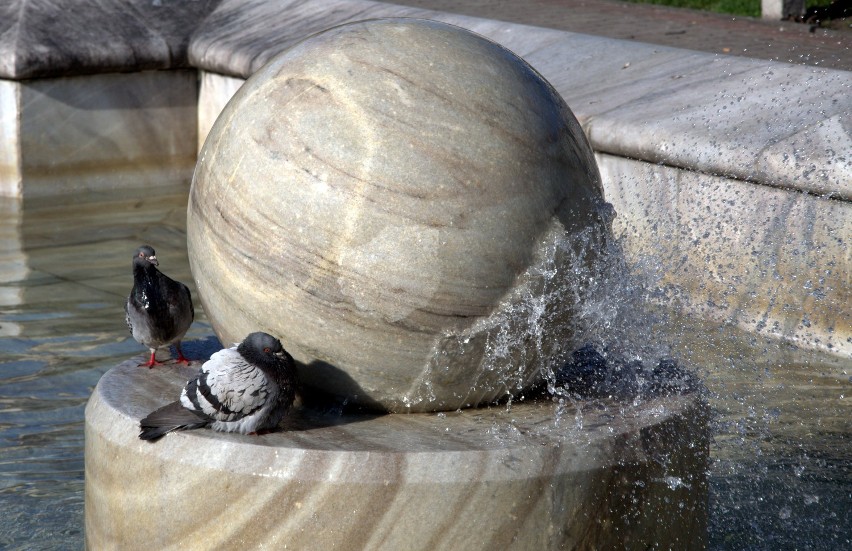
pixel 64 277
pixel 780 475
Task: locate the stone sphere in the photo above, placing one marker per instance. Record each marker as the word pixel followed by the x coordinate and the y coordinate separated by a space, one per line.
pixel 391 198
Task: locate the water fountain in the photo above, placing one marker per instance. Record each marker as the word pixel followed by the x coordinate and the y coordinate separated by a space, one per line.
pixel 731 187
pixel 416 236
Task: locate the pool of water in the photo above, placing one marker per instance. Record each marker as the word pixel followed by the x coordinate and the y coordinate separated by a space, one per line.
pixel 781 470
pixel 781 455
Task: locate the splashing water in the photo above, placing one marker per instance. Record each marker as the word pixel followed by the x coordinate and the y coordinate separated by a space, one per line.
pixel 578 289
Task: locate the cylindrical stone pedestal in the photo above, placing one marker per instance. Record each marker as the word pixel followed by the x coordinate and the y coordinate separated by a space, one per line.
pixel 532 475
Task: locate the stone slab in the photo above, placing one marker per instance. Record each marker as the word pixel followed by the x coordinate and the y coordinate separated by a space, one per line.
pixel 824 45
pixel 53 38
pixel 536 475
pixel 98 132
pixel 761 121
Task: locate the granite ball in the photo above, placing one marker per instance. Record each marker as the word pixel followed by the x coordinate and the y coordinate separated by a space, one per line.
pixel 403 203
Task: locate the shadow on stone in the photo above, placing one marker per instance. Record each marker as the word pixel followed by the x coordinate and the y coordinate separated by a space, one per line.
pixel 347 397
pixel 199 349
pixel 308 418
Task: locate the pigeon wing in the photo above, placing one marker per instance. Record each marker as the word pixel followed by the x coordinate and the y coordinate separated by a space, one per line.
pixel 228 388
pixel 179 300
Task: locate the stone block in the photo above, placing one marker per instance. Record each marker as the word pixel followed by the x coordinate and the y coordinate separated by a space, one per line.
pixel 61 38
pixel 771 260
pixel 97 133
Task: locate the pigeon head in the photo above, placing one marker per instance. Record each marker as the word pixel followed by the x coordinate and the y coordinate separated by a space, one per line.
pixel 264 350
pixel 262 343
pixel 145 253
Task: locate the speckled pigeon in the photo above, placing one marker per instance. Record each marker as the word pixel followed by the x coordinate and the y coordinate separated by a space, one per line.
pixel 246 389
pixel 159 309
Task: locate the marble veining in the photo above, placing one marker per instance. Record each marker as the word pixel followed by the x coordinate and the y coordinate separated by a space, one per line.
pixel 722 125
pixel 390 218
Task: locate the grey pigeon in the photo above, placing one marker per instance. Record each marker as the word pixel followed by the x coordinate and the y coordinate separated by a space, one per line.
pixel 159 309
pixel 246 389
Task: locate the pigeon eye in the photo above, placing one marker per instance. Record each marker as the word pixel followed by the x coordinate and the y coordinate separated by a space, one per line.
pixel 267 350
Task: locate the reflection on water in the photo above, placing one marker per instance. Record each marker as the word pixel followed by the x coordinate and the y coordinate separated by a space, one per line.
pixel 780 476
pixel 64 276
pixel 781 470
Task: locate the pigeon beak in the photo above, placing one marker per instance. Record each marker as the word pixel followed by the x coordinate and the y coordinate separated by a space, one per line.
pixel 153 260
pixel 279 354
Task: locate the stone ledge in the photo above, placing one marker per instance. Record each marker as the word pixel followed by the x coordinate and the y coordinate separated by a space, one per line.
pixel 772 261
pixel 759 121
pixel 764 122
pixel 54 38
pixel 492 478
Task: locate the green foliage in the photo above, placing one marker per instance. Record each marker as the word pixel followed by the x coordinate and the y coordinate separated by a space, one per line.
pixel 749 8
pixel 733 7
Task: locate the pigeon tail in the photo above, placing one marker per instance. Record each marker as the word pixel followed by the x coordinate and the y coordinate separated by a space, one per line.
pixel 170 418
